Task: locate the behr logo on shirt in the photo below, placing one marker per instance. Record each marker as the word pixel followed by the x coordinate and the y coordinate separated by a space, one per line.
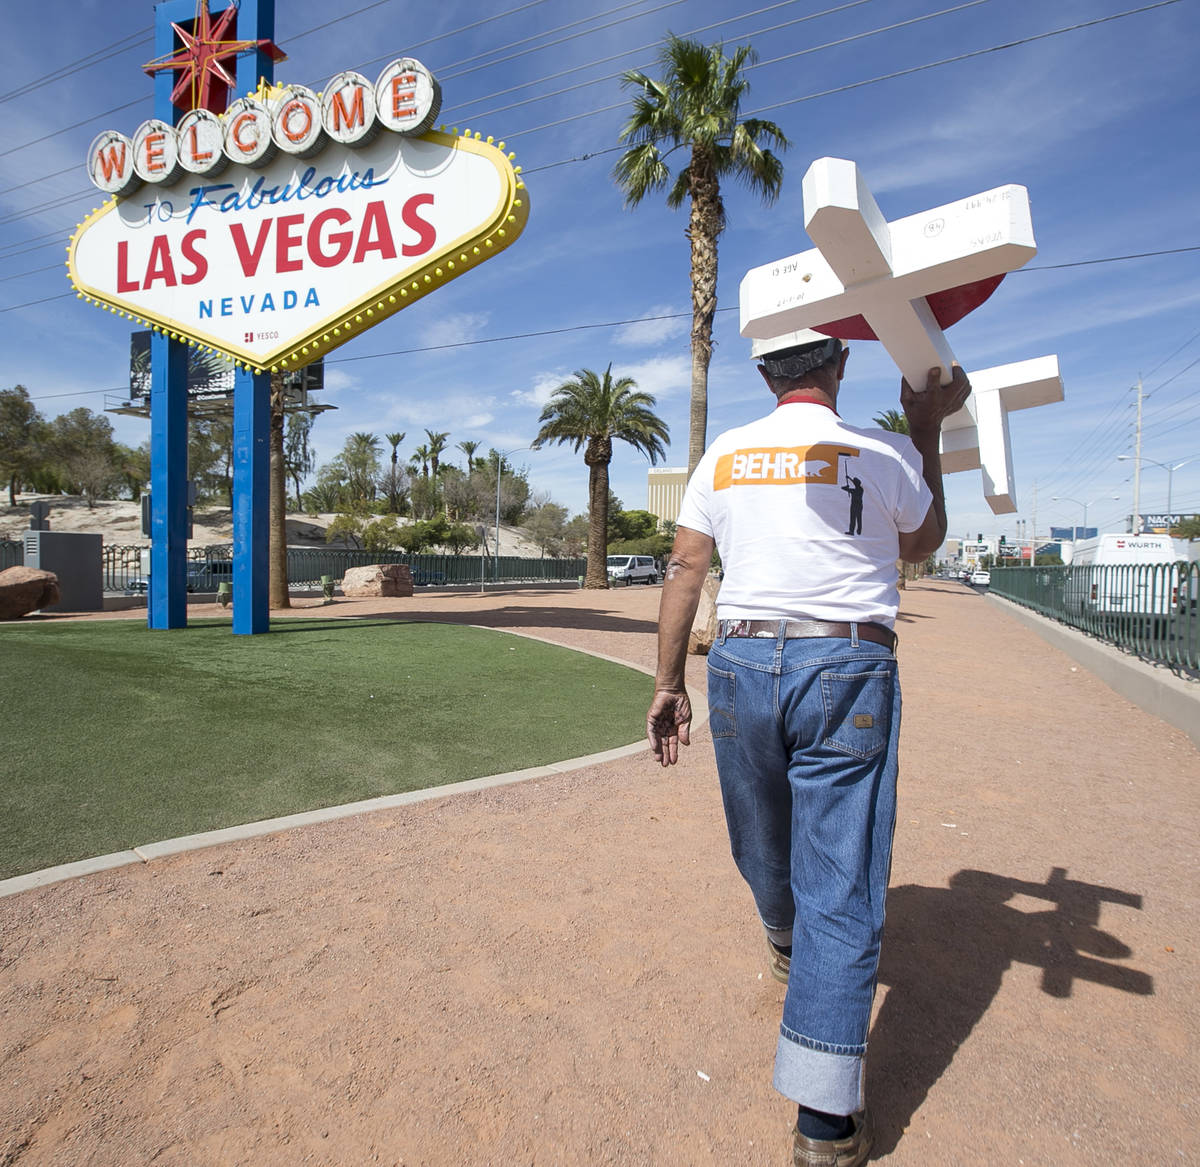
pixel 781 466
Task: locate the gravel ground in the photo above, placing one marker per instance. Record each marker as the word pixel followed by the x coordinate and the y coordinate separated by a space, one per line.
pixel 568 971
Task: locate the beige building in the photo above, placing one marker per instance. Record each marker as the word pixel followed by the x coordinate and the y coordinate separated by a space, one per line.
pixel 664 492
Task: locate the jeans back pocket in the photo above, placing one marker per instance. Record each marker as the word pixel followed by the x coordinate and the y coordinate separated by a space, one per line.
pixel 858 711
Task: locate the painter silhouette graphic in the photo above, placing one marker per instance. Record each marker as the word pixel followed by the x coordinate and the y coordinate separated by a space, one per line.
pixel 856 496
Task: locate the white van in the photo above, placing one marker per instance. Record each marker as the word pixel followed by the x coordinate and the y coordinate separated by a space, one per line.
pixel 631 569
pixel 1128 575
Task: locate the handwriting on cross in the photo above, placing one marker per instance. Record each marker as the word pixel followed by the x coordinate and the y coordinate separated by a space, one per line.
pixel 902 283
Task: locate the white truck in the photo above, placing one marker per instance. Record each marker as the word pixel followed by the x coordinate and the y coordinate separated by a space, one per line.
pixel 1132 576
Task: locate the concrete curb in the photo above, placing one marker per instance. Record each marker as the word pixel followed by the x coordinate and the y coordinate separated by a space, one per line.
pixel 1152 688
pixel 146 852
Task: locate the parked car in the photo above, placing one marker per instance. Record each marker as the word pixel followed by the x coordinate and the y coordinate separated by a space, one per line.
pixel 981 577
pixel 631 569
pixel 201 575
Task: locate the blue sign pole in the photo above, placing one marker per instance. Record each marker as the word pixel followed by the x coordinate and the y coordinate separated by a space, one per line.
pixel 251 499
pixel 252 402
pixel 167 598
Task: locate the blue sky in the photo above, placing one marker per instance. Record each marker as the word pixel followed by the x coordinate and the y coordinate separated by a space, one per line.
pixel 1099 123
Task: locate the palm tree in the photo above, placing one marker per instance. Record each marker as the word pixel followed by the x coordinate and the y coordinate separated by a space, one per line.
pixel 361 455
pixel 469 448
pixel 893 420
pixel 437 443
pixel 420 457
pixel 393 481
pixel 589 411
pixel 394 440
pixel 697 106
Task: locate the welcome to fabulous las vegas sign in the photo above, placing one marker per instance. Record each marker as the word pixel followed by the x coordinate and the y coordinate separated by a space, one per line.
pixel 279 230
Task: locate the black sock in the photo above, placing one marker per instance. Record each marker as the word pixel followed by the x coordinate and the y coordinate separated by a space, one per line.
pixel 780 948
pixel 816 1124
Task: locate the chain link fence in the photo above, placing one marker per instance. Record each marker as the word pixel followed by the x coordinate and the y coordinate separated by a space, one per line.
pixel 1150 609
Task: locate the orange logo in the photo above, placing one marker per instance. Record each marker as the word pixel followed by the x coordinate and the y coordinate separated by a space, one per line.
pixel 781 466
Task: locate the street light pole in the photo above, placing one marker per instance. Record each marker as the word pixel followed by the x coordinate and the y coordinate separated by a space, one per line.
pixel 1085 505
pixel 1162 466
pixel 499 470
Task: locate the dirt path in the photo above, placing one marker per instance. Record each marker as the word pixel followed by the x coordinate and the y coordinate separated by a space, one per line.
pixel 568 971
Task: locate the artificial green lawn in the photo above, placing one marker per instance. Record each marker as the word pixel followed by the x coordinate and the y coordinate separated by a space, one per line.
pixel 115 736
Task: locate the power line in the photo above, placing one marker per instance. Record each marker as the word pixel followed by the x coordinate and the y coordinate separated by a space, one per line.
pixel 650 45
pixel 124 44
pixel 52 205
pixel 455 31
pixel 1113 258
pixel 43 178
pixel 73 126
pixel 34 272
pixel 963 56
pixel 872 80
pixel 482 64
pixel 1185 368
pixel 1176 353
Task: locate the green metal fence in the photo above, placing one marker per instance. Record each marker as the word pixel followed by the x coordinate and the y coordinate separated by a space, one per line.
pixel 209 565
pixel 307 565
pixel 1150 609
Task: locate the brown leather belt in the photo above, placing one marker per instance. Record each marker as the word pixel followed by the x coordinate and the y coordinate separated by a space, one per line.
pixel 806 629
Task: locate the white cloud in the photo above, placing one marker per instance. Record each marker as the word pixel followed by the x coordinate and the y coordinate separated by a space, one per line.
pixel 648 330
pixel 338 379
pixel 661 376
pixel 541 390
pixel 454 329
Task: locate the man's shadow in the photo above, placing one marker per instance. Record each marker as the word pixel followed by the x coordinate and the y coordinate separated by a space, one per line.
pixel 944 954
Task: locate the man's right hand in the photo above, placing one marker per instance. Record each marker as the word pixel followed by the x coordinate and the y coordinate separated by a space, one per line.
pixel 927 410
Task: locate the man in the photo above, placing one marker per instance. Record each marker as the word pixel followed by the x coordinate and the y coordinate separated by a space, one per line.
pixel 803 694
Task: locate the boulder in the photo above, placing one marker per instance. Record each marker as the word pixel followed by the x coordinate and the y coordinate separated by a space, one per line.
pixel 26 589
pixel 378 579
pixel 704 627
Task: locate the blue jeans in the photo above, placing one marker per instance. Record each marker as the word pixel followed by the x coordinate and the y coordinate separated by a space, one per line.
pixel 806 734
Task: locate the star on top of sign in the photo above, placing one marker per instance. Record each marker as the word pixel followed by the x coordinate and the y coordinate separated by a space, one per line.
pixel 203 81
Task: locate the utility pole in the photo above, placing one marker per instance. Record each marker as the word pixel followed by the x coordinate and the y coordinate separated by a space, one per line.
pixel 1033 527
pixel 1137 464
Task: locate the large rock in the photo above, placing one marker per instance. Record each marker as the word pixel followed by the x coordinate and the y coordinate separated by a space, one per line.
pixel 378 579
pixel 26 589
pixel 704 627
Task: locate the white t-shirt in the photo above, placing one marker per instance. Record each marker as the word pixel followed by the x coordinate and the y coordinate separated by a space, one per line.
pixel 806 513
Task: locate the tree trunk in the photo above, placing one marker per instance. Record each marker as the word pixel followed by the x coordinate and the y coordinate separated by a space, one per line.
pixel 597 457
pixel 277 586
pixel 705 223
pixel 12 490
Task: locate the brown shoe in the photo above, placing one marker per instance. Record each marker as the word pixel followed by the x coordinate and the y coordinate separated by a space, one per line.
pixel 780 963
pixel 852 1151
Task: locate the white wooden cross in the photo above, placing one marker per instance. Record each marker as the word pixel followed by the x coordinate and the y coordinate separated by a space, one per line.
pixel 894 282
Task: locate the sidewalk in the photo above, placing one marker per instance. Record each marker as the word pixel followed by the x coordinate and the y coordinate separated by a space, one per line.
pixel 568 971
